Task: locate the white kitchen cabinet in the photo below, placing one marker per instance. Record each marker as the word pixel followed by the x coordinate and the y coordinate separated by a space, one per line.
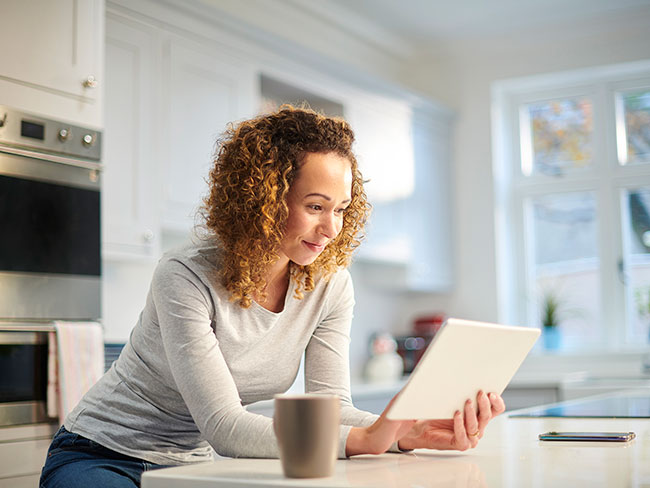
pixel 384 148
pixel 428 211
pixel 516 397
pixel 590 386
pixel 383 129
pixel 205 90
pixel 22 453
pixel 29 481
pixel 52 60
pixel 403 150
pixel 168 97
pixel 130 221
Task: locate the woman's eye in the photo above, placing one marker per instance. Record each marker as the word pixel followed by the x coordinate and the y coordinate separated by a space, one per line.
pixel 315 207
pixel 342 210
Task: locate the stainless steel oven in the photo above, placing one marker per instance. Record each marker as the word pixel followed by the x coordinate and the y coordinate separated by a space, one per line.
pixel 23 373
pixel 50 263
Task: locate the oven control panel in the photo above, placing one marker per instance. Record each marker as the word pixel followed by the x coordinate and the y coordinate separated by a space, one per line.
pixel 33 132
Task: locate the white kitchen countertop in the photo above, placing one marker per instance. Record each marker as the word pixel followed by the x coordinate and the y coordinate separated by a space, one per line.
pixel 508 456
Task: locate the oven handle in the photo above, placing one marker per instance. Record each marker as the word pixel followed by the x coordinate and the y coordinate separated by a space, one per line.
pixel 51 157
pixel 26 327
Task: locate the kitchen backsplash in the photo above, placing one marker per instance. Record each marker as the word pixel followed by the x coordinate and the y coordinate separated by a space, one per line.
pixel 112 351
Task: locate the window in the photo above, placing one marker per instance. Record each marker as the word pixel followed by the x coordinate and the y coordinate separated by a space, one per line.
pixel 572 182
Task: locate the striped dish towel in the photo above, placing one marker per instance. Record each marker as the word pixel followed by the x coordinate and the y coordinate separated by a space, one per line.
pixel 76 362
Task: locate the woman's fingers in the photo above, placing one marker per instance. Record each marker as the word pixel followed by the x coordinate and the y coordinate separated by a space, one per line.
pixel 472 427
pixel 484 412
pixel 460 433
pixel 498 405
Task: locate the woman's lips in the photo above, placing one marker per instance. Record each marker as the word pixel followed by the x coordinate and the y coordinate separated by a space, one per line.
pixel 314 247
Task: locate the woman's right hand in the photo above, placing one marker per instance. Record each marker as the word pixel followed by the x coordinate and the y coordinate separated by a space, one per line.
pixel 378 437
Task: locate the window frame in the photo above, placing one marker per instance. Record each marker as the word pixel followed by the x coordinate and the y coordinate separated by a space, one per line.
pixel 606 178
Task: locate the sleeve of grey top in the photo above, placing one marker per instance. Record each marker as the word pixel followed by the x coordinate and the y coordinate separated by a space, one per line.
pixel 327 356
pixel 184 306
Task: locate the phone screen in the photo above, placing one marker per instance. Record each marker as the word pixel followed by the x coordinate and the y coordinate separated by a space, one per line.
pixel 588 436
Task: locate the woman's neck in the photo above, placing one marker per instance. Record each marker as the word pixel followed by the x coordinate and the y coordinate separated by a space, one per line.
pixel 277 284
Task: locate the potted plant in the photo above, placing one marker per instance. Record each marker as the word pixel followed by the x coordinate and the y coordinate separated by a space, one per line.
pixel 550 318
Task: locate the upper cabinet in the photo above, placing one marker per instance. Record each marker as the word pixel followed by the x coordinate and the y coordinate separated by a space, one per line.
pixel 383 128
pixel 130 221
pixel 427 209
pixel 206 89
pixel 403 152
pixel 52 61
pixel 168 99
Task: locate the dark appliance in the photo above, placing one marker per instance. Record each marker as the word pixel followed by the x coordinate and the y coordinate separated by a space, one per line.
pixel 23 381
pixel 50 263
pixel 50 252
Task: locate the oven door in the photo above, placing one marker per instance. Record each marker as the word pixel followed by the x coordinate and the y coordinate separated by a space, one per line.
pixel 23 382
pixel 50 263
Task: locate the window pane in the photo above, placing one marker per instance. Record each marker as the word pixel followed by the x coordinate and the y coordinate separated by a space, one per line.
pixel 556 136
pixel 564 262
pixel 633 126
pixel 636 221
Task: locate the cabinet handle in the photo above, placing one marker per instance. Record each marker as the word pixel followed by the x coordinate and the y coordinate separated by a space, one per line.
pixel 148 235
pixel 90 82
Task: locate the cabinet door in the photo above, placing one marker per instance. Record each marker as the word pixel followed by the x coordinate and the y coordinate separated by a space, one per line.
pixel 23 458
pixel 207 90
pixel 30 481
pixel 22 453
pixel 129 201
pixel 53 44
pixel 403 152
pixel 384 147
pixel 429 213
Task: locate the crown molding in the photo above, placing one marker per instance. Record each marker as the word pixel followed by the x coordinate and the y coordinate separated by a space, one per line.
pixel 356 26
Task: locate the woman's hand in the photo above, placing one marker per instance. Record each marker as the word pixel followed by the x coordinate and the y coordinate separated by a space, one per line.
pixel 460 433
pixel 378 437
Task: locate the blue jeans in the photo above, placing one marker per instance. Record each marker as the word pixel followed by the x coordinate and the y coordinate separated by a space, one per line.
pixel 74 461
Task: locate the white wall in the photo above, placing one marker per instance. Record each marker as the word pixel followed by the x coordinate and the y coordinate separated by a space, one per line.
pixel 124 290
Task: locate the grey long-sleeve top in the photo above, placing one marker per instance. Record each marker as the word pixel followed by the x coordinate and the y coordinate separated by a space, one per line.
pixel 194 360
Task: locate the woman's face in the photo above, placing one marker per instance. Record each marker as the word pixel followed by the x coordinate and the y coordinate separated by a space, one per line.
pixel 317 201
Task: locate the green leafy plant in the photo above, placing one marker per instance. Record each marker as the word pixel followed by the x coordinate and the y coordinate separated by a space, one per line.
pixel 550 309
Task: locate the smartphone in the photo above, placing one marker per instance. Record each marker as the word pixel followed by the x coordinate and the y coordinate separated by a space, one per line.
pixel 588 436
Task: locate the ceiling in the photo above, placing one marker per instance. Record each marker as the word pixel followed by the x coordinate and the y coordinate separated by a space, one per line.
pixel 429 21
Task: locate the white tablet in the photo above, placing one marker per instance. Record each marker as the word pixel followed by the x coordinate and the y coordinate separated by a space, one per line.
pixel 464 357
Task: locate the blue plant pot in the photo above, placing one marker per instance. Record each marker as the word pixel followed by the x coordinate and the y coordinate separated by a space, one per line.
pixel 552 338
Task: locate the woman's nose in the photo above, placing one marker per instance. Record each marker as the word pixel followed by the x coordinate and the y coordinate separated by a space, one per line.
pixel 330 225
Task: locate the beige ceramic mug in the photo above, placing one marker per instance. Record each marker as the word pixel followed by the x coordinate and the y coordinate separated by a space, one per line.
pixel 307 430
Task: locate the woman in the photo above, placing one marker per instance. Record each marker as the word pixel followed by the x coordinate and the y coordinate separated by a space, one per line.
pixel 228 319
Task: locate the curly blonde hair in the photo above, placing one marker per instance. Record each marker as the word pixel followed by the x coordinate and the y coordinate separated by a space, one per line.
pixel 255 164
